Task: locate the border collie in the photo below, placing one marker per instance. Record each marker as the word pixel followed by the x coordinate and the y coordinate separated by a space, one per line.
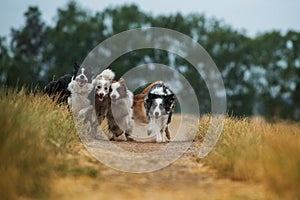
pixel 139 112
pixel 80 90
pixel 102 84
pixel 58 89
pixel 121 105
pixel 159 105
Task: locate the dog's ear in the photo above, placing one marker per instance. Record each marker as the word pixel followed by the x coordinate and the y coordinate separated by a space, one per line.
pixel 122 81
pixel 76 66
pixel 171 97
pixel 76 69
pixel 170 102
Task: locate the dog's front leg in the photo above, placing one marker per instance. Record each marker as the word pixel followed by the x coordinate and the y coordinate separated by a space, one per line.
pixel 168 134
pixel 150 128
pixel 159 137
pixel 112 125
pixel 162 133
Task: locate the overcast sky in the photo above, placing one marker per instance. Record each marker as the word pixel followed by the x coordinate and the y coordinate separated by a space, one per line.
pixel 254 16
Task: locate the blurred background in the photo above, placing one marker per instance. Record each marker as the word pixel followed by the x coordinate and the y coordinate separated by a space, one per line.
pixel 256 45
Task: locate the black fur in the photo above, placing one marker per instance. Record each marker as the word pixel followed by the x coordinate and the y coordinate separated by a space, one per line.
pixel 167 96
pixel 58 89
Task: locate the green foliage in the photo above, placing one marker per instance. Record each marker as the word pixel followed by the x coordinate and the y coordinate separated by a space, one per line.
pixel 261 74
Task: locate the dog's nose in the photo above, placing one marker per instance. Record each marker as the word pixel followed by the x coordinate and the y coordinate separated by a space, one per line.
pixel 81 77
pixel 113 96
pixel 156 113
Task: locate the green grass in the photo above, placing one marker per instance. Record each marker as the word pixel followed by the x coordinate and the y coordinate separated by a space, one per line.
pixel 257 151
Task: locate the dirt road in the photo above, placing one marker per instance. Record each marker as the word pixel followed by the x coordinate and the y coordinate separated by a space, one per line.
pixel 186 178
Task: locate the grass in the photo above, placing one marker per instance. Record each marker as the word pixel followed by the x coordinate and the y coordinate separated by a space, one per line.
pixel 257 151
pixel 39 148
pixel 35 138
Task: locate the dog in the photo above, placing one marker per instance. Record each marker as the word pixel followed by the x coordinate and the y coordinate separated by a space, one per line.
pixel 121 105
pixel 159 104
pixel 79 101
pixel 80 90
pixel 139 112
pixel 58 89
pixel 102 84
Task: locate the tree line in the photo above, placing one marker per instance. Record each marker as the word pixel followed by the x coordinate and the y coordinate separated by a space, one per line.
pixel 261 74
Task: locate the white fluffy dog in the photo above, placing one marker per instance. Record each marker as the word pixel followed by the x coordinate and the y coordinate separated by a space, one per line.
pixel 80 90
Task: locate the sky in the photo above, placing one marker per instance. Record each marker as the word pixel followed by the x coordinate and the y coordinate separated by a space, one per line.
pixel 252 16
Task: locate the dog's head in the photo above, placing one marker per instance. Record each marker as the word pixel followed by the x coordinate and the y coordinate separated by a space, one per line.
pixel 159 101
pixel 81 79
pixel 102 84
pixel 118 90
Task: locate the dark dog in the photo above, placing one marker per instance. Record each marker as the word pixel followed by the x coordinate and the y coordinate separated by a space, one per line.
pixel 58 89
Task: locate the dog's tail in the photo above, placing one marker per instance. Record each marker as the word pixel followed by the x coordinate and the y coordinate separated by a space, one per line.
pixel 108 74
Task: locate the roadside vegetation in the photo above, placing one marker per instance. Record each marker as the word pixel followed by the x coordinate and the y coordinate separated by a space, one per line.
pixel 39 146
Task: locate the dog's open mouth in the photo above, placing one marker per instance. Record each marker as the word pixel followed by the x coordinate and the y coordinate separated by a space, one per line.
pixel 100 97
pixel 81 82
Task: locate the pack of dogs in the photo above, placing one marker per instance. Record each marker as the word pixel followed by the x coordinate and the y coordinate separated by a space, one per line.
pixel 111 99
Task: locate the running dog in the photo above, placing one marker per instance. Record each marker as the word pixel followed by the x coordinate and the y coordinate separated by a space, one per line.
pixel 102 84
pixel 159 104
pixel 58 89
pixel 121 105
pixel 80 90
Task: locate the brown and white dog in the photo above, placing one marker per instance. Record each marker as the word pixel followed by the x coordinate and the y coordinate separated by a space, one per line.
pixel 139 111
pixel 102 84
pixel 121 106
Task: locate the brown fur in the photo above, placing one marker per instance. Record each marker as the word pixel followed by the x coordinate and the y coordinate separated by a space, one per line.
pixel 139 112
pixel 103 109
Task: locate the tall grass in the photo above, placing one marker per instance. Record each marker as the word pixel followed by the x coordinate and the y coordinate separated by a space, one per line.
pixel 38 143
pixel 34 132
pixel 254 150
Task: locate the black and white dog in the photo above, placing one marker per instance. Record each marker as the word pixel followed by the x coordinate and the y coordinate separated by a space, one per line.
pixel 159 104
pixel 80 90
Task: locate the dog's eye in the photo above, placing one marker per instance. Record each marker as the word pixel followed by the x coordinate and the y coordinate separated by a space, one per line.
pixel 106 88
pixel 98 86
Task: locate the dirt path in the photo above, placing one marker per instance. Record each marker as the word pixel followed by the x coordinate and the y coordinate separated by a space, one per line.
pixel 186 178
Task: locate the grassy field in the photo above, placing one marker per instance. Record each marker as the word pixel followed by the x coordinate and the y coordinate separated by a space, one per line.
pixel 42 157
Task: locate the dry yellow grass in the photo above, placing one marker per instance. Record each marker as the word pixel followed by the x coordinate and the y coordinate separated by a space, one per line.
pixel 36 137
pixel 42 157
pixel 257 151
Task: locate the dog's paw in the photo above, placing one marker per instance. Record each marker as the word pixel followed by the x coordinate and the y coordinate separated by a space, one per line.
pixel 149 131
pixel 158 140
pixel 120 138
pixel 129 137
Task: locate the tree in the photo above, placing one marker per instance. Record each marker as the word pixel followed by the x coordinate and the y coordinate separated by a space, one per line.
pixel 5 60
pixel 27 45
